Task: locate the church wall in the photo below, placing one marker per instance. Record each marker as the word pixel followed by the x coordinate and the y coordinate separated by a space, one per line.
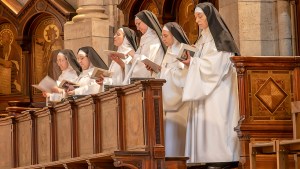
pixel 260 27
pixel 229 12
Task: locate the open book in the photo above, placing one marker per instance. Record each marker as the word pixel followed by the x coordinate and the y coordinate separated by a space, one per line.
pixel 46 84
pixel 155 67
pixel 65 84
pixel 118 54
pixel 184 49
pixel 98 72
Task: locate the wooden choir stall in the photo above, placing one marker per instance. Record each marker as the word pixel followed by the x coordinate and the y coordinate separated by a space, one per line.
pixel 267 86
pixel 122 127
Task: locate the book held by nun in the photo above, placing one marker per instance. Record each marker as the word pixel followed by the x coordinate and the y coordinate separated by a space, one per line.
pixel 155 67
pixel 46 84
pixel 115 53
pixel 98 73
pixel 186 50
pixel 65 84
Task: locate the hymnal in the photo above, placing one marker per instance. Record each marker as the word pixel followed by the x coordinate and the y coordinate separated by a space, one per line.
pixel 118 54
pixel 46 84
pixel 184 48
pixel 155 67
pixel 98 73
pixel 65 84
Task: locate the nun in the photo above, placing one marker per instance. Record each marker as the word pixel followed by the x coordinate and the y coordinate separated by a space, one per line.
pixel 126 41
pixel 88 59
pixel 174 72
pixel 211 89
pixel 150 47
pixel 69 70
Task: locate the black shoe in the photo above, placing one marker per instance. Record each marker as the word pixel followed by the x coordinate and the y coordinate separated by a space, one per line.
pixel 222 165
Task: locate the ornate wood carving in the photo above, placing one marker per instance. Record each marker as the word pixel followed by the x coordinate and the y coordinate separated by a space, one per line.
pixel 26 37
pixel 266 89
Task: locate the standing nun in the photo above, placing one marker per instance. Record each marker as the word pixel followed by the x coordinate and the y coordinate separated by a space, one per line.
pixel 125 39
pixel 175 73
pixel 88 59
pixel 151 46
pixel 211 88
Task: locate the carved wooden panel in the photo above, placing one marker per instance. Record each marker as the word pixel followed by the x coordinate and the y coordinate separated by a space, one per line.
pixel 186 19
pixel 24 139
pixel 63 129
pixel 11 62
pixel 134 121
pixel 270 94
pixel 6 141
pixel 85 118
pixel 46 39
pixel 109 125
pixel 43 135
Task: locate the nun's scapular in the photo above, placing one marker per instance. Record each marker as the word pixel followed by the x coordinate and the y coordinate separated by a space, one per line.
pixel 151 47
pixel 211 89
pixel 174 72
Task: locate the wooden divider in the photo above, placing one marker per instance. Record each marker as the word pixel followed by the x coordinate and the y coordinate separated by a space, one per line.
pixel 7 143
pixel 44 138
pixel 120 127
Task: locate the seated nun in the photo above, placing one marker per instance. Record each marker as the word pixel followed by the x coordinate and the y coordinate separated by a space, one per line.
pixel 69 69
pixel 88 59
pixel 125 40
pixel 174 72
pixel 151 46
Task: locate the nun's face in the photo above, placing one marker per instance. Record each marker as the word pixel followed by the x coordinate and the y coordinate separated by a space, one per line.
pixel 84 61
pixel 141 26
pixel 62 62
pixel 119 38
pixel 201 20
pixel 167 38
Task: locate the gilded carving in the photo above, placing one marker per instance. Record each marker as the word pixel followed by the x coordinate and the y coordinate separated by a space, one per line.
pixel 186 18
pixel 10 61
pixel 153 8
pixel 47 39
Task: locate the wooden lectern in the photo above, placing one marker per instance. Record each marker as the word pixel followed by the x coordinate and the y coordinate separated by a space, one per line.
pixel 267 85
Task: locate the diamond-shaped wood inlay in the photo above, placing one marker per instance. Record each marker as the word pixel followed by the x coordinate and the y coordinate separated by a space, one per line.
pixel 271 95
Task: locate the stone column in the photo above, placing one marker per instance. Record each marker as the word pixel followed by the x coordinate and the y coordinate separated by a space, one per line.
pixel 89 28
pixel 284 28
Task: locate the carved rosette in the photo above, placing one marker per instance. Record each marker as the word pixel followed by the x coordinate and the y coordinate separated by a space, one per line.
pixel 40 6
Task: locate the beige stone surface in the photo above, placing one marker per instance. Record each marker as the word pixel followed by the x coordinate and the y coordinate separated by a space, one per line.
pixel 257 21
pixel 259 48
pixel 229 12
pixel 89 32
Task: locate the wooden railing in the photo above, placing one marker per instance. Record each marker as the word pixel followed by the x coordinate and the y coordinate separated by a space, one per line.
pixel 119 127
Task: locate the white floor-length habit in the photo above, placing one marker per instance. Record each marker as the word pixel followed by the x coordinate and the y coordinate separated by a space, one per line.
pixel 211 88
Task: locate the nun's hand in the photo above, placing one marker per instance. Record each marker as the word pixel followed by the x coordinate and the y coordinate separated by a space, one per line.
pixel 56 90
pixel 188 60
pixel 117 60
pixel 100 80
pixel 45 94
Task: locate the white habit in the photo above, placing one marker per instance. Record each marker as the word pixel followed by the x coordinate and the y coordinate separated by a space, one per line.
pixel 118 73
pixel 150 47
pixel 211 87
pixel 87 85
pixel 68 74
pixel 174 72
